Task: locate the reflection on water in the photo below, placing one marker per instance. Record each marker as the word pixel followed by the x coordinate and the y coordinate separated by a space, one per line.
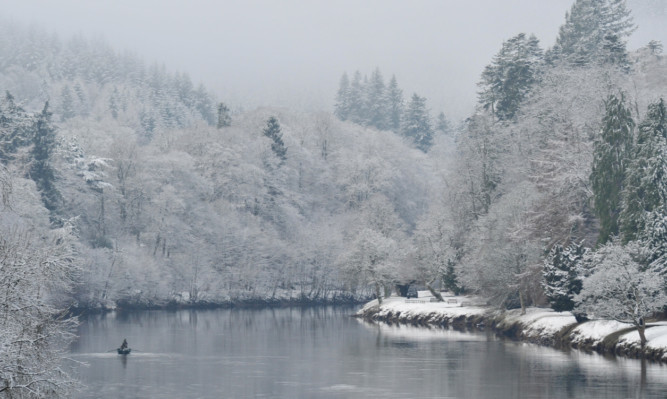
pixel 323 353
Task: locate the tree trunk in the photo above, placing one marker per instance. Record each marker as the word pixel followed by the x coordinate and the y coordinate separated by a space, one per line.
pixel 435 293
pixel 378 293
pixel 641 329
pixel 522 302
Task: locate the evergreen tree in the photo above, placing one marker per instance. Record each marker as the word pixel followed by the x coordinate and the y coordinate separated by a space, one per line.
pixel 15 125
pixel 417 123
pixel 273 131
pixel 357 112
pixel 395 105
pixel 655 47
pixel 113 103
pixel 41 171
pixel 342 108
pixel 581 39
pixel 612 151
pixel 442 124
pixel 376 101
pixel 645 188
pixel 507 80
pixel 449 280
pixel 561 276
pixel 66 104
pixel 224 118
pixel 614 52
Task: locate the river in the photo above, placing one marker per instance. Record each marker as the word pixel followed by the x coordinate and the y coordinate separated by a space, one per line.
pixel 321 352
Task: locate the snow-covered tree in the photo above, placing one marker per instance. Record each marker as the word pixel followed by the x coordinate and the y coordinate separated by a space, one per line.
pixel 645 186
pixel 620 289
pixel 342 107
pixel 442 124
pixel 505 83
pixel 417 123
pixel 395 105
pixel 356 103
pixel 41 170
pixel 610 160
pixel 561 275
pixel 273 132
pixel 376 101
pixel 588 25
pixel 224 118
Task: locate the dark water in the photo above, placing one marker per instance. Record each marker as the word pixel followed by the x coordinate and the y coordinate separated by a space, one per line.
pixel 323 353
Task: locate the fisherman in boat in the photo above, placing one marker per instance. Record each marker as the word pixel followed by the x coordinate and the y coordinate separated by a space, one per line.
pixel 123 346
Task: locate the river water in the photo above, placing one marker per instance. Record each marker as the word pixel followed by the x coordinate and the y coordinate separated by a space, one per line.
pixel 324 353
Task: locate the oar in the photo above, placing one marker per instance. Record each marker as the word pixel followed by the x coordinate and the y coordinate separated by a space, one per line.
pixel 111 350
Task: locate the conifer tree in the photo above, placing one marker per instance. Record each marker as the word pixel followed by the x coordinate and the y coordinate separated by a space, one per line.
pixel 442 124
pixel 507 80
pixel 41 171
pixel 357 112
pixel 561 276
pixel 395 105
pixel 224 118
pixel 612 151
pixel 66 104
pixel 581 39
pixel 376 101
pixel 645 188
pixel 273 131
pixel 342 108
pixel 417 123
pixel 15 125
pixel 113 103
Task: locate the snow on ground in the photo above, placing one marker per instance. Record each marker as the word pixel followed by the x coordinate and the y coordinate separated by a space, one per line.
pixel 540 322
pixel 410 309
pixel 537 325
pixel 595 331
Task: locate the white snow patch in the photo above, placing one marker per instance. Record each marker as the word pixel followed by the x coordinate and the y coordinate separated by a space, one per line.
pixel 596 330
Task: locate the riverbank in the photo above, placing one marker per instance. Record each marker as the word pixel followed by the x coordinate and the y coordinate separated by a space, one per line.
pixel 539 325
pixel 184 301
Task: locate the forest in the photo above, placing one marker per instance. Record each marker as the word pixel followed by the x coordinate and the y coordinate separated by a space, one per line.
pixel 125 186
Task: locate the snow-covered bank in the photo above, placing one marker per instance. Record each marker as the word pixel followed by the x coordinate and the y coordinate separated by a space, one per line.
pixel 538 325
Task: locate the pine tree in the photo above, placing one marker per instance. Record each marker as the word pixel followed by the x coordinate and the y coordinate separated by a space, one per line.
pixel 113 103
pixel 342 108
pixel 376 101
pixel 612 151
pixel 417 123
pixel 561 276
pixel 394 105
pixel 442 124
pixel 449 280
pixel 655 47
pixel 224 118
pixel 66 104
pixel 273 132
pixel 645 188
pixel 505 83
pixel 41 171
pixel 581 39
pixel 15 126
pixel 357 112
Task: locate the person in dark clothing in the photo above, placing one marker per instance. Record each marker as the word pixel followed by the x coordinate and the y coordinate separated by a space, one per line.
pixel 124 344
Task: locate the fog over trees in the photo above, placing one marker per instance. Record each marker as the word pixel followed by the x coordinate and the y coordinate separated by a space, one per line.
pixel 124 184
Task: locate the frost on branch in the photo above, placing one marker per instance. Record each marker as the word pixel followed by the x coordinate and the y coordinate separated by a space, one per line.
pixel 620 289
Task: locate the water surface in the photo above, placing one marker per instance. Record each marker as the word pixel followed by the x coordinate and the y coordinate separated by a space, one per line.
pixel 324 353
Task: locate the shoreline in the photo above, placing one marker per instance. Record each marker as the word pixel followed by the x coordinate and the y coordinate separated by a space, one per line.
pixel 123 306
pixel 541 326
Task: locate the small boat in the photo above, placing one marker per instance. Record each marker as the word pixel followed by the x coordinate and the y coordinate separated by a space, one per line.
pixel 125 351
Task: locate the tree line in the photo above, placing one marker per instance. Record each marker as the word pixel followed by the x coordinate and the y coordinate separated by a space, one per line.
pixel 370 102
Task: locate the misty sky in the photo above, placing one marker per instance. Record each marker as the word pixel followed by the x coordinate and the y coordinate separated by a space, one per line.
pixel 292 53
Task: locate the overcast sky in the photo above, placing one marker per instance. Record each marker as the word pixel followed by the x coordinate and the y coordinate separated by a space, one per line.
pixel 292 53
